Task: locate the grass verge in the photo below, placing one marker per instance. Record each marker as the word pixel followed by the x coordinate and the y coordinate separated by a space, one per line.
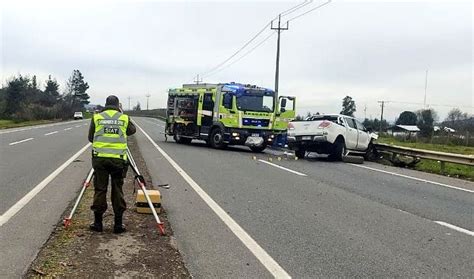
pixel 5 124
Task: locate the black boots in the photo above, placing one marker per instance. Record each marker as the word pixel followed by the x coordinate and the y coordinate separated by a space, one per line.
pixel 97 225
pixel 118 226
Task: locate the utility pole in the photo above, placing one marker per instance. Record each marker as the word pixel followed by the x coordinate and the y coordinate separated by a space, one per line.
pixel 197 80
pixel 277 70
pixel 426 86
pixel 365 111
pixel 381 116
pixel 129 98
pixel 147 97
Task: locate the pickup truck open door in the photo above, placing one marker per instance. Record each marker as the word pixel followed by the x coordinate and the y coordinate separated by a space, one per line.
pixel 352 134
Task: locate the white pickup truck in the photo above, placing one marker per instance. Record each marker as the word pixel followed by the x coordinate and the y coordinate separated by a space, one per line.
pixel 332 134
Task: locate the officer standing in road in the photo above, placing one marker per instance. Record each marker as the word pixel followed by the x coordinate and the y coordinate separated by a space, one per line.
pixel 108 133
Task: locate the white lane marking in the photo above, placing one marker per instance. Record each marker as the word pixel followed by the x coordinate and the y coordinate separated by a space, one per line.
pixel 456 228
pixel 13 130
pixel 20 141
pixel 67 129
pixel 280 167
pixel 272 266
pixel 415 178
pixel 26 199
pixel 47 134
pixel 77 126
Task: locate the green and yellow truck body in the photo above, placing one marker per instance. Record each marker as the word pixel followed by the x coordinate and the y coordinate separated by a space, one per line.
pixel 228 114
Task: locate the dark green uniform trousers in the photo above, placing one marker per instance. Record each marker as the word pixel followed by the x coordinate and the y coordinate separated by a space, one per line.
pixel 116 169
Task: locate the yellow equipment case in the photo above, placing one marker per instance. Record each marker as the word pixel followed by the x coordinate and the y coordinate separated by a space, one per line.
pixel 142 204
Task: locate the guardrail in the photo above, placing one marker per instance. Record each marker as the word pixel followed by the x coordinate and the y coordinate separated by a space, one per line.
pixel 427 154
pixel 156 113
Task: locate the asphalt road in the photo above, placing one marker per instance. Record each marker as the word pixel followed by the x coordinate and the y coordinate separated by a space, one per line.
pixel 238 214
pixel 28 156
pixel 324 220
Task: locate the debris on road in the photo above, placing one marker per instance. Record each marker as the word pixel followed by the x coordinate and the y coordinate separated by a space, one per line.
pixel 76 252
pixel 353 159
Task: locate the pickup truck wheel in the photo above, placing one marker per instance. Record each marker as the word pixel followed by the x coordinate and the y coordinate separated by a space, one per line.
pixel 217 138
pixel 338 150
pixel 371 153
pixel 258 149
pixel 300 153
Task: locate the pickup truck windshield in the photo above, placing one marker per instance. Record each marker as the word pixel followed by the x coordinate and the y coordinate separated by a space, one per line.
pixel 255 103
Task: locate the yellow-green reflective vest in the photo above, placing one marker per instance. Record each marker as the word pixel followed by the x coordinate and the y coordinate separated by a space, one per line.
pixel 110 136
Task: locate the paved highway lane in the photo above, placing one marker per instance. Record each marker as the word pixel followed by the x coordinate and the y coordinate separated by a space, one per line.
pixel 431 201
pixel 28 156
pixel 334 220
pixel 41 170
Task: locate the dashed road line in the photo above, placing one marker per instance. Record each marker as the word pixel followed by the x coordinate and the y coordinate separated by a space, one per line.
pixel 27 198
pixel 20 141
pixel 283 168
pixel 267 261
pixel 67 129
pixel 14 130
pixel 415 178
pixel 52 133
pixel 456 228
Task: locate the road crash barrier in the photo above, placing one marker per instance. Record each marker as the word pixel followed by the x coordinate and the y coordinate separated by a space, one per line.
pixel 417 154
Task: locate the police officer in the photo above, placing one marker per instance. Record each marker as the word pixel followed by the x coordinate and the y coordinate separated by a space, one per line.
pixel 108 133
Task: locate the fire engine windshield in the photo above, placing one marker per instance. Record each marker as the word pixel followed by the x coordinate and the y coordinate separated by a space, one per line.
pixel 261 103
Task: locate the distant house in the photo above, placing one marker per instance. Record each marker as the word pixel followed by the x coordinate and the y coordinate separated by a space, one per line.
pixel 405 131
pixel 449 130
pixel 444 129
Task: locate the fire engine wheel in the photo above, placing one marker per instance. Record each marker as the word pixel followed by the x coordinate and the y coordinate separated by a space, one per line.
pixel 217 138
pixel 180 139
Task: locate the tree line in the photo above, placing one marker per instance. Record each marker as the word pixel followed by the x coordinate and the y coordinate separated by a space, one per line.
pixel 23 99
pixel 425 119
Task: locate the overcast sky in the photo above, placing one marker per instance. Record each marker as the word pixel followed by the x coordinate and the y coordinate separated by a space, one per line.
pixel 370 50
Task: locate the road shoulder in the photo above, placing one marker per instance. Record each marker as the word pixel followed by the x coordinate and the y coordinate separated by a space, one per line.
pixel 140 252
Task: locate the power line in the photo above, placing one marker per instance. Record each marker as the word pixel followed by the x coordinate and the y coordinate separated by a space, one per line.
pixel 245 54
pixel 287 12
pixel 309 11
pixel 295 8
pixel 431 105
pixel 237 52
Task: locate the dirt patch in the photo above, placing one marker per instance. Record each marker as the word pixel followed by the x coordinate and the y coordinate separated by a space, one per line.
pixel 141 252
